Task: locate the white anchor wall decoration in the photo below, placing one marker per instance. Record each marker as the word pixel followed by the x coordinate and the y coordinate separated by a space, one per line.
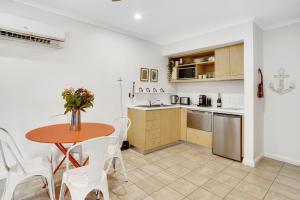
pixel 281 77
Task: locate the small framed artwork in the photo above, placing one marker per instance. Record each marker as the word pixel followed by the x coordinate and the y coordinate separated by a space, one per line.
pixel 154 75
pixel 144 74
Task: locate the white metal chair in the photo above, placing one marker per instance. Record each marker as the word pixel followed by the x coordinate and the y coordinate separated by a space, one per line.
pixel 121 125
pixel 56 156
pixel 81 181
pixel 22 169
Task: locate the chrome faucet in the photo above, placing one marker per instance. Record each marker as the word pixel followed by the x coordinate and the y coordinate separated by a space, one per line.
pixel 152 102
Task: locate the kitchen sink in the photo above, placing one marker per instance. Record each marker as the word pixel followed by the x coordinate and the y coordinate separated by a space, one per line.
pixel 153 106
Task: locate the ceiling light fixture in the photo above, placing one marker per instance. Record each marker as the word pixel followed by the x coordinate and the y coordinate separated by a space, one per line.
pixel 138 16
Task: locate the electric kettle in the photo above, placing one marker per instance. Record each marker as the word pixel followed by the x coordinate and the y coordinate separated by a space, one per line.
pixel 174 99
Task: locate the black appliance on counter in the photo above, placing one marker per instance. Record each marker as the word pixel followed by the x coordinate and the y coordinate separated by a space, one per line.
pixel 185 100
pixel 204 101
pixel 187 73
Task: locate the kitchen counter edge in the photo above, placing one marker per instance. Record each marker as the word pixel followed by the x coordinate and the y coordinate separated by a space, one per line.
pixel 210 109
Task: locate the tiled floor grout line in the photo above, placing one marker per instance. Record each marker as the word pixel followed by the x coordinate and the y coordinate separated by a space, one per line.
pixel 273 180
pixel 214 174
pixel 166 185
pixel 186 196
pixel 237 184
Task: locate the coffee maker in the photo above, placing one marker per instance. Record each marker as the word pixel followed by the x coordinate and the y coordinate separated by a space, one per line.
pixel 204 101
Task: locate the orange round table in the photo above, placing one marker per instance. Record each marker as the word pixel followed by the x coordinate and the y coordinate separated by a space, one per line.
pixel 59 134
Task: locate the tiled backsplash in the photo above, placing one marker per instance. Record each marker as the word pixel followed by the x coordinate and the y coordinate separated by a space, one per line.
pixel 235 100
pixel 141 99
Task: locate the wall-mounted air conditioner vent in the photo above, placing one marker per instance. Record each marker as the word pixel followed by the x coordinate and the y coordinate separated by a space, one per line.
pixel 19 29
pixel 7 34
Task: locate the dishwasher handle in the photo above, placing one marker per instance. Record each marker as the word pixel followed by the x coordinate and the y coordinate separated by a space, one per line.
pixel 199 112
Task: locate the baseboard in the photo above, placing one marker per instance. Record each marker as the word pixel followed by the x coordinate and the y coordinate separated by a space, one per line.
pixel 258 158
pixel 253 162
pixel 249 162
pixel 283 159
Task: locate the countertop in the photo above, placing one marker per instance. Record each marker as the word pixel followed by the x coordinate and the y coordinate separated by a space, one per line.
pixel 233 111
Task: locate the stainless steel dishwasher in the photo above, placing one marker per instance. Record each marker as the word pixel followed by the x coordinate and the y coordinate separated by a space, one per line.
pixel 200 120
pixel 227 136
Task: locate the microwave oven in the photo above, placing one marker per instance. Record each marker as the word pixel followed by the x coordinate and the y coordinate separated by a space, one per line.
pixel 187 73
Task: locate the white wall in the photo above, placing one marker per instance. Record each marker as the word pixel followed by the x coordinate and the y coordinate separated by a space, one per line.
pixel 281 127
pixel 32 78
pixel 230 35
pixel 258 102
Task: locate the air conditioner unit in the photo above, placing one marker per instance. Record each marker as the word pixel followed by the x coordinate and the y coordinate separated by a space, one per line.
pixel 25 30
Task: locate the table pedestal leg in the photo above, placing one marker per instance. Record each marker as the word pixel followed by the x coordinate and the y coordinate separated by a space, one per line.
pixel 64 151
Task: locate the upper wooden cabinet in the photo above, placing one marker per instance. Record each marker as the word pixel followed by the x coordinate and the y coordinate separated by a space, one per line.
pixel 226 63
pixel 229 61
pixel 222 62
pixel 236 60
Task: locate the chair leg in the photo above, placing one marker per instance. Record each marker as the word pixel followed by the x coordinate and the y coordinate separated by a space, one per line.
pixel 9 190
pixel 62 192
pixel 109 165
pixel 123 166
pixel 114 163
pixel 80 155
pixel 51 188
pixel 98 195
pixel 104 190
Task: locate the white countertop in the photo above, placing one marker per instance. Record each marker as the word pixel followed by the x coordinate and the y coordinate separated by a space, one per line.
pixel 233 111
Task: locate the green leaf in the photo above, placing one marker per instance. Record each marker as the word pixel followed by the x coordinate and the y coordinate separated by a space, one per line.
pixel 78 101
pixel 70 99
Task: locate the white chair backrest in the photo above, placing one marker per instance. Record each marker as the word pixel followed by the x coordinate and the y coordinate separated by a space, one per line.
pixel 121 125
pixel 98 150
pixel 8 143
pixel 58 119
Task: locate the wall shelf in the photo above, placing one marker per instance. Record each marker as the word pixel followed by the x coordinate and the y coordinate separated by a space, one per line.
pixel 221 64
pixel 193 64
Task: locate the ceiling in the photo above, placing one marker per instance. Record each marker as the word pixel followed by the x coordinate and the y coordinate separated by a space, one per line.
pixel 167 21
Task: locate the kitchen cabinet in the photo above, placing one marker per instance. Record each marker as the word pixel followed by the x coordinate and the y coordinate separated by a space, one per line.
pixel 152 129
pixel 236 60
pixel 183 123
pixel 199 137
pixel 170 125
pixel 229 62
pixel 222 63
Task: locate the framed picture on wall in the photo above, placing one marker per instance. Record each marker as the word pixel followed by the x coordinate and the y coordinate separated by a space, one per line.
pixel 154 75
pixel 144 74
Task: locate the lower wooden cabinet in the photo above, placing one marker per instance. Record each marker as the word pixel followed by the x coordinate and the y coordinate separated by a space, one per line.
pixel 155 128
pixel 170 125
pixel 183 123
pixel 199 137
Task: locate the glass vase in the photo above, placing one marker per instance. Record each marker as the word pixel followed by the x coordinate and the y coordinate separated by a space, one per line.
pixel 75 121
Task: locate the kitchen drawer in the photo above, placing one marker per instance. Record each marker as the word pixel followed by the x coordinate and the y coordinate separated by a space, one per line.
pixel 151 125
pixel 199 137
pixel 154 133
pixel 152 115
pixel 152 143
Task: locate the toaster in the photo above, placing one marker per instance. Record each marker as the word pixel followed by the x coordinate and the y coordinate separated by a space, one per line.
pixel 185 100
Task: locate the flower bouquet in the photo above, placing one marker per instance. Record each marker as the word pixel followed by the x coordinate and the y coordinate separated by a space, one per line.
pixel 76 101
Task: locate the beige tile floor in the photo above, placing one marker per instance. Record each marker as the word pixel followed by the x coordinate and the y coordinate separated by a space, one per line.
pixel 189 172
